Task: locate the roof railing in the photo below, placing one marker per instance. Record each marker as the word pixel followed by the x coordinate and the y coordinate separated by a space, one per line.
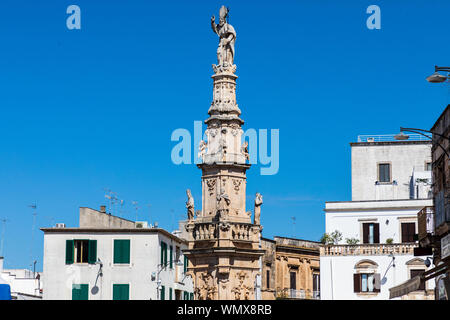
pixel 390 137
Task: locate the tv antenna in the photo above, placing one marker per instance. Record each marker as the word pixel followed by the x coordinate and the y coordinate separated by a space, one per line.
pixel 293 227
pixel 149 213
pixel 33 208
pixel 136 207
pixel 3 220
pixel 112 197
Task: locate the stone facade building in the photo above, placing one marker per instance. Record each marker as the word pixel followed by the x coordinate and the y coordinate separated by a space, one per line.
pixel 224 244
pixel 290 269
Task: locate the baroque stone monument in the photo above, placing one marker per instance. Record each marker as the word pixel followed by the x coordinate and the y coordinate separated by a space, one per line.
pixel 224 245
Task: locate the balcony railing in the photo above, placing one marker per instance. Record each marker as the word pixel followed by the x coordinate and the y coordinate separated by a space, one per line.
pixel 368 249
pixel 425 222
pixel 389 137
pixel 298 294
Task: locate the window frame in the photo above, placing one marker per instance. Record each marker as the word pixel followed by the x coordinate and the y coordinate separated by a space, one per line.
pixel 390 172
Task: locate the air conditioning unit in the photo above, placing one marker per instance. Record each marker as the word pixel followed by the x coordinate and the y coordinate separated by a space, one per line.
pixel 60 225
pixel 141 224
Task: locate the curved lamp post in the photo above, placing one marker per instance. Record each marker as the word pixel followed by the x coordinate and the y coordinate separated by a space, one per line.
pixel 402 136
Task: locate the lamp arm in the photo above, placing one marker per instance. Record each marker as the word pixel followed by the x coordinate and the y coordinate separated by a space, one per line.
pixel 418 132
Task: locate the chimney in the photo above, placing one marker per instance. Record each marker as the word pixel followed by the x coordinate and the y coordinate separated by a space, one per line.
pixel 103 209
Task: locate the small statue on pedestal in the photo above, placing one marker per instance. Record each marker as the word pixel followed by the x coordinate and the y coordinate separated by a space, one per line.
pixel 258 203
pixel 190 205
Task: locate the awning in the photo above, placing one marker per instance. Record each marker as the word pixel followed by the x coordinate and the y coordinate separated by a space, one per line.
pixel 411 285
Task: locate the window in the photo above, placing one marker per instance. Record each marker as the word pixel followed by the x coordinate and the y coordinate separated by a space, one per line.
pixel 366 282
pixel 267 279
pixel 121 292
pixel 186 262
pixel 418 272
pixel 428 166
pixel 80 292
pixel 163 254
pixel 371 233
pixel 408 231
pixel 384 172
pixel 316 282
pixel 171 257
pixel 293 280
pixel 163 293
pixel 121 251
pixel 81 251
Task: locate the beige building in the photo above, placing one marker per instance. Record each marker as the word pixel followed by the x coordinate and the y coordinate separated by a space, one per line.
pixel 290 269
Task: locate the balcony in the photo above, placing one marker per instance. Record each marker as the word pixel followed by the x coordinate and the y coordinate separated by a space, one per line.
pixel 425 222
pixel 368 249
pixel 298 294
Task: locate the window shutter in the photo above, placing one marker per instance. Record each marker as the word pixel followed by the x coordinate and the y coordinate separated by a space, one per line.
pixel 191 296
pixel 80 292
pixel 377 282
pixel 121 251
pixel 185 263
pixel 69 251
pixel 376 233
pixel 170 257
pixel 365 233
pixel 170 293
pixel 162 252
pixel 184 295
pixel 92 259
pixel 163 292
pixel 121 292
pixel 126 251
pixel 356 282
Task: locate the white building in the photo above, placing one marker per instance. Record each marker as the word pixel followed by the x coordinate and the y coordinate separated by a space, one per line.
pixel 110 258
pixel 391 182
pixel 24 284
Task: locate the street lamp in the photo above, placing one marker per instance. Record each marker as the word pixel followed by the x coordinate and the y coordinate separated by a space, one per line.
pixel 420 131
pixel 436 77
pixel 162 266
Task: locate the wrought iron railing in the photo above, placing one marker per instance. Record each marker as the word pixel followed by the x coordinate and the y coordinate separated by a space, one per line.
pixel 389 137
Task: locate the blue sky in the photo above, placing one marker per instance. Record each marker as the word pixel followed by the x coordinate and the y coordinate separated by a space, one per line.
pixel 84 110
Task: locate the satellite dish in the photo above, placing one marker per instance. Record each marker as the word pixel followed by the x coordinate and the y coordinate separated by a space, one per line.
pixel 383 281
pixel 94 290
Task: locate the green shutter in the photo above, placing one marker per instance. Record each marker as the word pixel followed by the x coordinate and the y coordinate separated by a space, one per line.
pixel 191 296
pixel 69 251
pixel 80 292
pixel 170 293
pixel 121 251
pixel 162 253
pixel 163 292
pixel 121 292
pixel 92 259
pixel 170 257
pixel 185 295
pixel 185 263
pixel 165 254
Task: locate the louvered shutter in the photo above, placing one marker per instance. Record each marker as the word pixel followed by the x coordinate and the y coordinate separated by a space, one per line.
pixel 92 258
pixel 356 282
pixel 376 233
pixel 69 251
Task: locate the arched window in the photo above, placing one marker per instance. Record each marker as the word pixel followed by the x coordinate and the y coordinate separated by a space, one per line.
pixel 366 279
